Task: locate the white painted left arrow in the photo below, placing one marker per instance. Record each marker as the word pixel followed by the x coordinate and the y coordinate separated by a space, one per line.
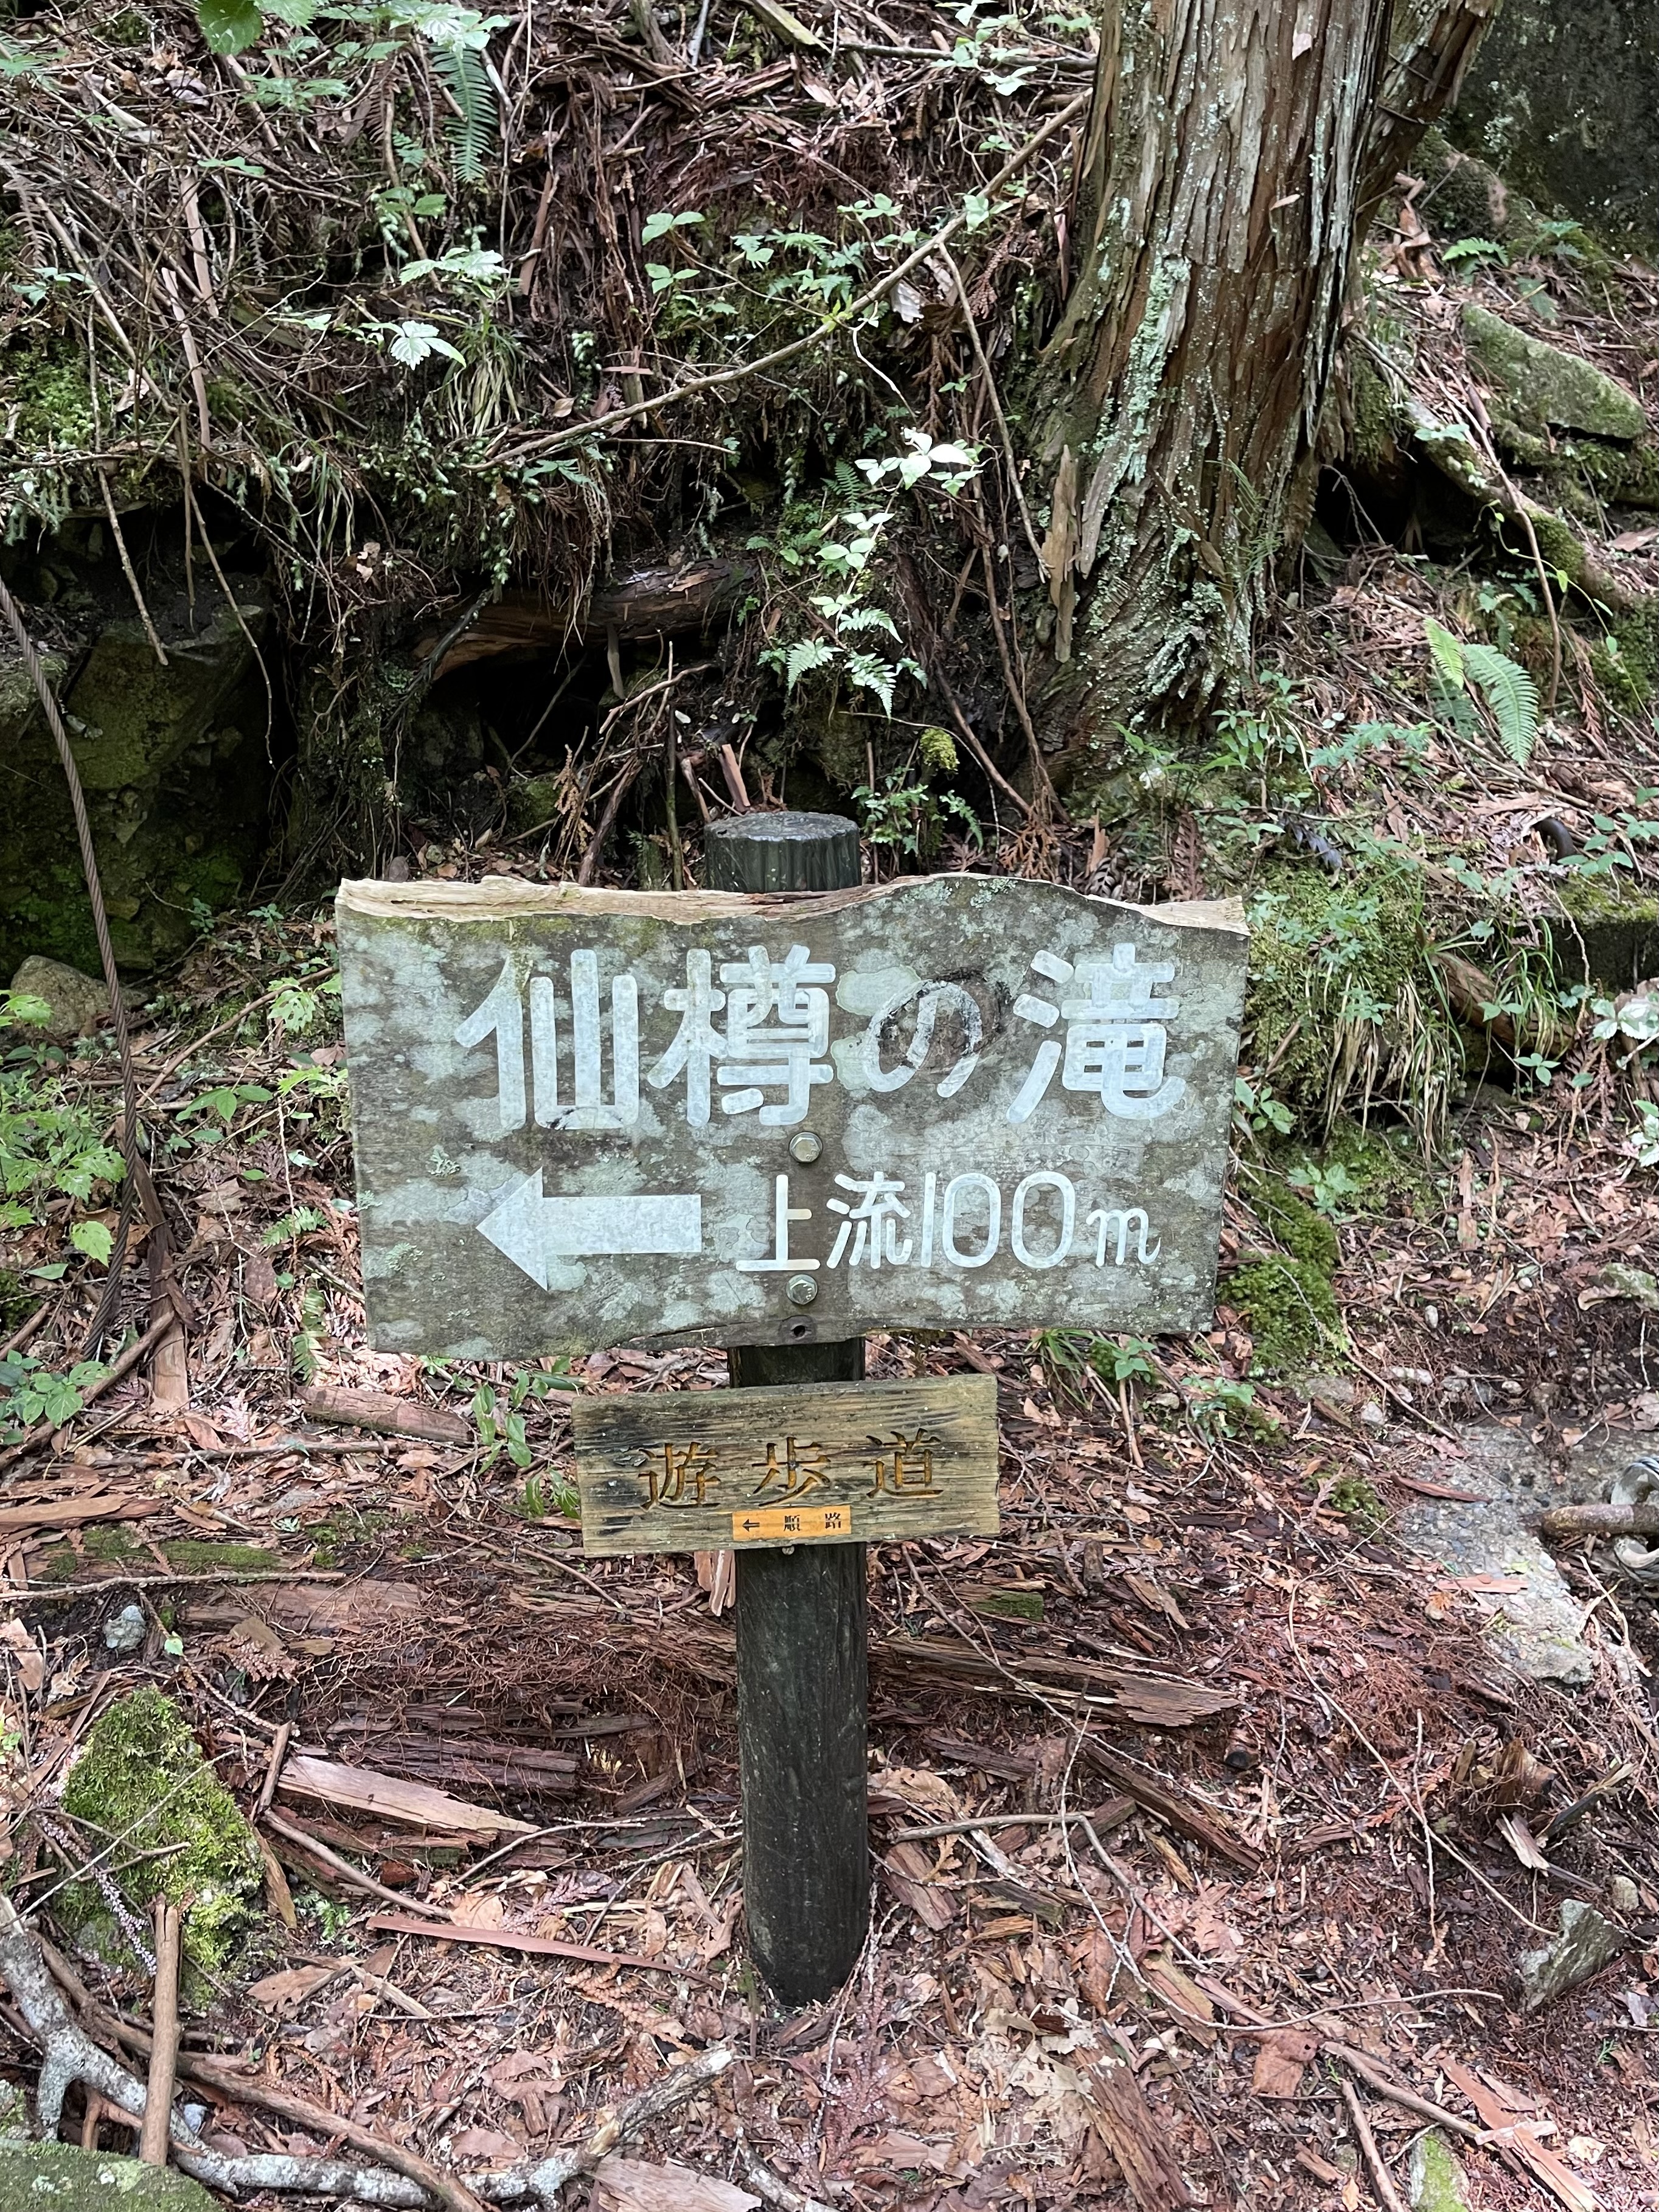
pixel 532 1231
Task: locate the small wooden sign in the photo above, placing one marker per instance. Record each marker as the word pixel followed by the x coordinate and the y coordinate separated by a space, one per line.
pixel 808 1463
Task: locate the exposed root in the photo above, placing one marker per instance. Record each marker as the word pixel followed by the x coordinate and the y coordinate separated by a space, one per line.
pixel 402 2179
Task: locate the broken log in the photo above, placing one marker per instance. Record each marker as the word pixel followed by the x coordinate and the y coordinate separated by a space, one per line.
pixel 645 602
pixel 415 1803
pixel 391 1417
pixel 1153 1794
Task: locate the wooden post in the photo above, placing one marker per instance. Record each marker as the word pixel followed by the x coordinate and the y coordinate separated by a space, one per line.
pixel 803 1695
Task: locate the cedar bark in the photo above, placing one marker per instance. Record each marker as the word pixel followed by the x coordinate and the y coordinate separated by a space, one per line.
pixel 1234 152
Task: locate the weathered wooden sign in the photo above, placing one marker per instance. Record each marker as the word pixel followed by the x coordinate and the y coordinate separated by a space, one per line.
pixel 584 1117
pixel 817 1462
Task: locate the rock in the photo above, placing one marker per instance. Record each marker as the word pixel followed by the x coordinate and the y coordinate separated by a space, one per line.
pixel 1623 1896
pixel 174 762
pixel 78 1002
pixel 57 2177
pixel 1585 1944
pixel 1546 388
pixel 1372 1415
pixel 1436 2180
pixel 1560 97
pixel 1333 1396
pixel 141 1773
pixel 1536 1625
pixel 125 1631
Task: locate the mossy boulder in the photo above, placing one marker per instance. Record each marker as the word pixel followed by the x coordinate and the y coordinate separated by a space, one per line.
pixel 1559 96
pixel 174 764
pixel 75 1003
pixel 57 2177
pixel 1543 388
pixel 141 1778
pixel 1606 934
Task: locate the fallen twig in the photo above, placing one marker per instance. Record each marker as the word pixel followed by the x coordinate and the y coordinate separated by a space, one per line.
pixel 164 2037
pixel 352 1875
pixel 59 1593
pixel 512 1939
pixel 1381 2180
pixel 1156 1795
pixel 775 2190
pixel 1408 2099
pixel 279 1745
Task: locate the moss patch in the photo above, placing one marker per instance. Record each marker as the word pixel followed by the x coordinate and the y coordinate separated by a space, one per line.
pixel 1291 1310
pixel 1365 1171
pixel 191 1555
pixel 141 1778
pixel 1304 1234
pixel 1342 1006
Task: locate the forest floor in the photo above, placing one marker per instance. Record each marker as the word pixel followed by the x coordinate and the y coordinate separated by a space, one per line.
pixel 1298 1871
pixel 1209 1819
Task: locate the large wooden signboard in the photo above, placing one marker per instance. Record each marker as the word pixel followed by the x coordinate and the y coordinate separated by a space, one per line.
pixel 817 1462
pixel 584 1117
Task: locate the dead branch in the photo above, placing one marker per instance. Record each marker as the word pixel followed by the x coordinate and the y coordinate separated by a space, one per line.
pixel 775 2190
pixel 1381 2180
pixel 1564 1522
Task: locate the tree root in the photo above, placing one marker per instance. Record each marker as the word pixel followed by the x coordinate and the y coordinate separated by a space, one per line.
pixel 401 2179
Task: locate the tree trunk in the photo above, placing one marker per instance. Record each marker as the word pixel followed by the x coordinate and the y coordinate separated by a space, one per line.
pixel 1234 151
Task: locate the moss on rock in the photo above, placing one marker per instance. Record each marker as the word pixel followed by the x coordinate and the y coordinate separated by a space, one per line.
pixel 141 1778
pixel 1545 387
pixel 59 2177
pixel 1437 2179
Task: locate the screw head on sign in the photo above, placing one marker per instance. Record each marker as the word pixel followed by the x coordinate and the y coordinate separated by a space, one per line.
pixel 802 1289
pixel 805 1148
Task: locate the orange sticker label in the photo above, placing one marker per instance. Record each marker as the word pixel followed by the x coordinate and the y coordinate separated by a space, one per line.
pixel 772 1524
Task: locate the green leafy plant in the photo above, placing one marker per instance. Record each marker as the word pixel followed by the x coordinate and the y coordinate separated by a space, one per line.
pixel 305 1348
pixel 1509 692
pixel 901 815
pixel 49 1146
pixel 1329 1186
pixel 1221 1407
pixel 845 544
pixel 1642 1142
pixel 31 1393
pixel 303 1221
pixel 1256 1109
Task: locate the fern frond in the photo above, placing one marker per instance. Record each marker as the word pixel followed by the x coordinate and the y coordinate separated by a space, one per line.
pixel 473 132
pixel 1511 693
pixel 1448 653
